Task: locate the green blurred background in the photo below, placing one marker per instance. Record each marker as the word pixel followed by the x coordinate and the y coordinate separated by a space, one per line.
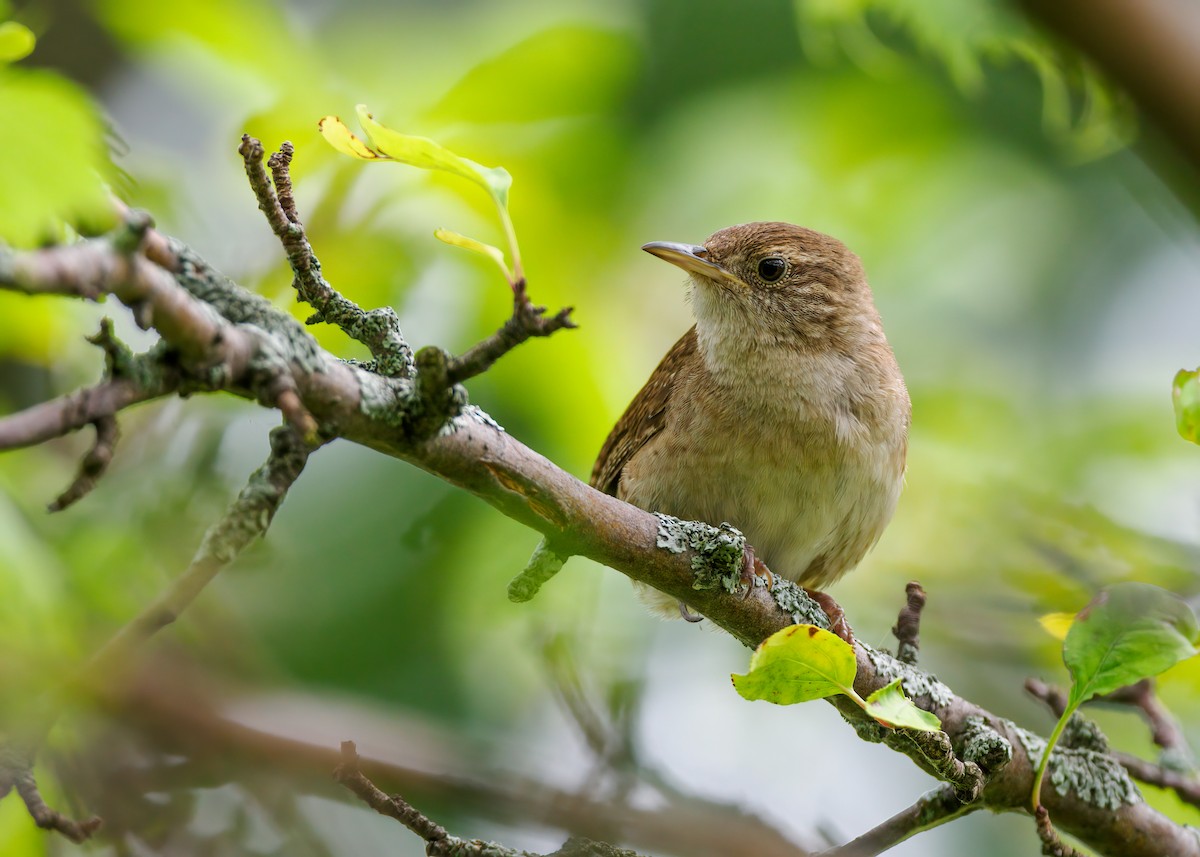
pixel 1037 277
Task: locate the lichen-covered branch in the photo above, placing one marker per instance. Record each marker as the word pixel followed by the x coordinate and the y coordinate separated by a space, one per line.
pixel 1090 800
pixel 93 268
pixel 58 417
pixel 1175 771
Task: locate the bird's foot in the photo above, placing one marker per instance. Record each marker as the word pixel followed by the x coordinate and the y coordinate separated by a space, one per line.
pixel 753 567
pixel 837 616
pixel 688 615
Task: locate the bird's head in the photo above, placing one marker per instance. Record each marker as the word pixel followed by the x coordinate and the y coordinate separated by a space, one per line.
pixel 775 281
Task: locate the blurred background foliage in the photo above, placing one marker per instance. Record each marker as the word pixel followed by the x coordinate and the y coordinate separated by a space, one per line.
pixel 1038 280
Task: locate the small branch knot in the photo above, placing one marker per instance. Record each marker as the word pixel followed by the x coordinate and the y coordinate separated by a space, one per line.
pixel 908 624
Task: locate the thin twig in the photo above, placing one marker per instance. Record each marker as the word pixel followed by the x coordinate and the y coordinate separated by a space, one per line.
pixel 438 843
pixel 93 465
pixel 50 819
pixel 526 321
pixel 1052 845
pixel 568 689
pixel 393 806
pixel 908 624
pixel 280 164
pixel 378 329
pixel 930 810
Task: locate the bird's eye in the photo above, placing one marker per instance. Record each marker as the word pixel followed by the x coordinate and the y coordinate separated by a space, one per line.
pixel 771 269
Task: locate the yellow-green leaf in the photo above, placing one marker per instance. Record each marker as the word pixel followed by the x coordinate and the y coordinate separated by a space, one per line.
pixel 336 134
pixel 16 41
pixel 426 154
pixel 893 709
pixel 798 664
pixel 1185 393
pixel 457 240
pixel 1057 624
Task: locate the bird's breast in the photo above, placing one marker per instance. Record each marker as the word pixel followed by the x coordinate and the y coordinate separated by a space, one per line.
pixel 788 462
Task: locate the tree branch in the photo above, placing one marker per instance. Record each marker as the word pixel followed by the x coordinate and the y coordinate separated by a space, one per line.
pixel 47 818
pixel 58 417
pixel 393 806
pixel 186 717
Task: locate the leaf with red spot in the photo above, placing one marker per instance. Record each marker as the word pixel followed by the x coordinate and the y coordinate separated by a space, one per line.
pixel 804 662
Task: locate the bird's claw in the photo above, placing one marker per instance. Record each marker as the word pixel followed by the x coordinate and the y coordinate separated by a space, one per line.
pixel 837 616
pixel 753 567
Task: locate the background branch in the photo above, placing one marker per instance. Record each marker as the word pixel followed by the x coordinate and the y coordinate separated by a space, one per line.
pixel 931 810
pixel 1150 47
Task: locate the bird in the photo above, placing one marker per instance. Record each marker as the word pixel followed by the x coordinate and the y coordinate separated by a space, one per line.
pixel 781 411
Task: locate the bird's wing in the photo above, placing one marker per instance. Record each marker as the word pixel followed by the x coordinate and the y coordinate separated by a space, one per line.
pixel 644 418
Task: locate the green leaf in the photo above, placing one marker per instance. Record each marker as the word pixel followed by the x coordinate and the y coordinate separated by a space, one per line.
pixel 1185 394
pixel 574 69
pixel 893 709
pixel 803 662
pixel 53 158
pixel 1128 632
pixel 16 41
pixel 798 664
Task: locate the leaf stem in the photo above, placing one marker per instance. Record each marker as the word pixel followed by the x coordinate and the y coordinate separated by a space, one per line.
pixel 518 272
pixel 1036 797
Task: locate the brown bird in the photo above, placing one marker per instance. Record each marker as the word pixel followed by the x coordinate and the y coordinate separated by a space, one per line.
pixel 781 411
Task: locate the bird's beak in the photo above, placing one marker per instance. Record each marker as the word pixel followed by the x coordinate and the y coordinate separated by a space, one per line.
pixel 693 258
